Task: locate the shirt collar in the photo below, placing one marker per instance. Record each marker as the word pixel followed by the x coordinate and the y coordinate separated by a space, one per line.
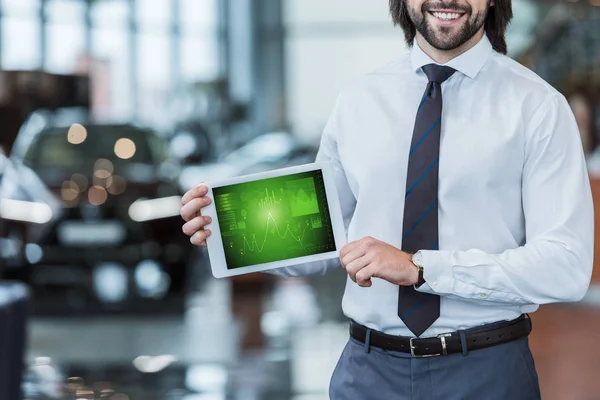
pixel 469 63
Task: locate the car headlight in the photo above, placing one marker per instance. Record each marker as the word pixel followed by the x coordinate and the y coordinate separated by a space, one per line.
pixel 146 210
pixel 27 211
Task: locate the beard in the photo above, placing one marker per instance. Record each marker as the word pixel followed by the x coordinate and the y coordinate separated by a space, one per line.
pixel 443 38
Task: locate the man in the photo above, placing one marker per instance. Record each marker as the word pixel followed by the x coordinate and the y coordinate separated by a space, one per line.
pixel 459 222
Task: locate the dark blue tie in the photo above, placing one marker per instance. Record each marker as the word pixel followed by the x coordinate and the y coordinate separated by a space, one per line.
pixel 420 227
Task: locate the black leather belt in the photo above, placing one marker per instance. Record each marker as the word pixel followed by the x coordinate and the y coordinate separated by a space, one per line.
pixel 476 338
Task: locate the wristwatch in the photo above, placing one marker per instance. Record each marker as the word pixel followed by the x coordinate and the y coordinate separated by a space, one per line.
pixel 417 260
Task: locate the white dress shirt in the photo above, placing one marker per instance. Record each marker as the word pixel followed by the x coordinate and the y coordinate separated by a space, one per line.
pixel 516 222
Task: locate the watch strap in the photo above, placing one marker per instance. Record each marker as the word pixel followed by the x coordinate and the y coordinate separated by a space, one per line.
pixel 421 280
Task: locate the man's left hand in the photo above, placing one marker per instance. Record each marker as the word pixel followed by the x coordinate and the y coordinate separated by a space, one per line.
pixel 371 258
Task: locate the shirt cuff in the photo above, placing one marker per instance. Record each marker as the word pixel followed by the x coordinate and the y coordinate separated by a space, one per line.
pixel 437 271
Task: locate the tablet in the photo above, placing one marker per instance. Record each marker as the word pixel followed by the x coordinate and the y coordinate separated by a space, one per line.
pixel 274 219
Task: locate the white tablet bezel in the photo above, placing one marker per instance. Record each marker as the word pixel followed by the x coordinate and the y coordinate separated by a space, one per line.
pixel 215 243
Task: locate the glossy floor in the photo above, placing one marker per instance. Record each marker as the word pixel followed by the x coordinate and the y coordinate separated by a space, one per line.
pixel 198 356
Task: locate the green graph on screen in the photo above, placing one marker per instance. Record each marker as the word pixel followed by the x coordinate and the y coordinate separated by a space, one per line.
pixel 274 219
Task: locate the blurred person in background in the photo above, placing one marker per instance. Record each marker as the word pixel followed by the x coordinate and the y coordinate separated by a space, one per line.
pixel 460 222
pixel 583 95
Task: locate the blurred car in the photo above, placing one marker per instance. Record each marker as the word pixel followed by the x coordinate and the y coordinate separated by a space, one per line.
pixel 35 204
pixel 266 152
pixel 108 237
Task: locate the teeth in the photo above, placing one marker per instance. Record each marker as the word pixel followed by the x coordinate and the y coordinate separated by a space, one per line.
pixel 446 16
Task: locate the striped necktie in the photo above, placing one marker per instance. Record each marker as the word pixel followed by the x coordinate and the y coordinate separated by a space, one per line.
pixel 420 225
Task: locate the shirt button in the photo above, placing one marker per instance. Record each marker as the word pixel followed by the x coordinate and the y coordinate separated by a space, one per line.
pixel 434 284
pixel 483 295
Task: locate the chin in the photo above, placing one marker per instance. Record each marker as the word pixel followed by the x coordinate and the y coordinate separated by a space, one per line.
pixel 442 41
pixel 446 46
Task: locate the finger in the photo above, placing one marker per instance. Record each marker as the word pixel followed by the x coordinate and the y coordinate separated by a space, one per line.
pixel 365 241
pixel 193 193
pixel 199 237
pixel 354 254
pixel 196 224
pixel 192 208
pixel 349 247
pixel 355 266
pixel 363 277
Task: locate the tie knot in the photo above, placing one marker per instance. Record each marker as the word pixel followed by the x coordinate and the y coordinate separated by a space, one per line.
pixel 438 73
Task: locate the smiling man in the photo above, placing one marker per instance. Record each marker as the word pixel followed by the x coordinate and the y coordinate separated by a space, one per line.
pixel 467 203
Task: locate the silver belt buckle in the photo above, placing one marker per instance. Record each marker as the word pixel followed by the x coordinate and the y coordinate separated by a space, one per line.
pixel 444 352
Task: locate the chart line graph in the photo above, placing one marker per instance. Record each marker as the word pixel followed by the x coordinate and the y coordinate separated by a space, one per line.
pixel 254 246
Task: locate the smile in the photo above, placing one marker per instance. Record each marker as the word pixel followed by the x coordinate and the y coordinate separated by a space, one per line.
pixel 446 16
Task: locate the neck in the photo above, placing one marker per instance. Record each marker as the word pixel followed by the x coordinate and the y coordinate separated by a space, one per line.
pixel 443 56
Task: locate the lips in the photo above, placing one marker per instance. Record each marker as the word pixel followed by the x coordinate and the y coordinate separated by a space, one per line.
pixel 446 17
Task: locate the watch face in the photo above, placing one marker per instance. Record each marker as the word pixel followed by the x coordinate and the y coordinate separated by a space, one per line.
pixel 418 258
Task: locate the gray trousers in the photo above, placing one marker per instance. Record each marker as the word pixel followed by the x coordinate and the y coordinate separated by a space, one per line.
pixel 502 372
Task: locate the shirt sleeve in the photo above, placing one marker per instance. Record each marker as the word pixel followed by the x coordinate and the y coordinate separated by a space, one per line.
pixel 555 264
pixel 328 152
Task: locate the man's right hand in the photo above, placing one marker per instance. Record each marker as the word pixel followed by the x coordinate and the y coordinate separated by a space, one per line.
pixel 193 201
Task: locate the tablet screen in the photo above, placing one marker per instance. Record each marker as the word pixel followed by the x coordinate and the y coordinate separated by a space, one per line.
pixel 274 219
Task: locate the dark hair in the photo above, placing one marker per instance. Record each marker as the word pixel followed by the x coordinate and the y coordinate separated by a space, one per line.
pixel 499 15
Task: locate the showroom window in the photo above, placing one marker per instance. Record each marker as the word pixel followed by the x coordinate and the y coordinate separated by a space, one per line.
pixel 65 34
pixel 137 52
pixel 154 58
pixel 20 31
pixel 112 59
pixel 199 40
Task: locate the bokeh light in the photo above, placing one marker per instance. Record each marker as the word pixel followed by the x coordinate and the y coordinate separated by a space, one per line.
pixel 76 134
pixel 81 181
pixel 100 182
pixel 97 195
pixel 74 383
pixel 106 393
pixel 124 148
pixel 69 191
pixel 85 393
pixel 103 168
pixel 116 185
pixel 102 174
